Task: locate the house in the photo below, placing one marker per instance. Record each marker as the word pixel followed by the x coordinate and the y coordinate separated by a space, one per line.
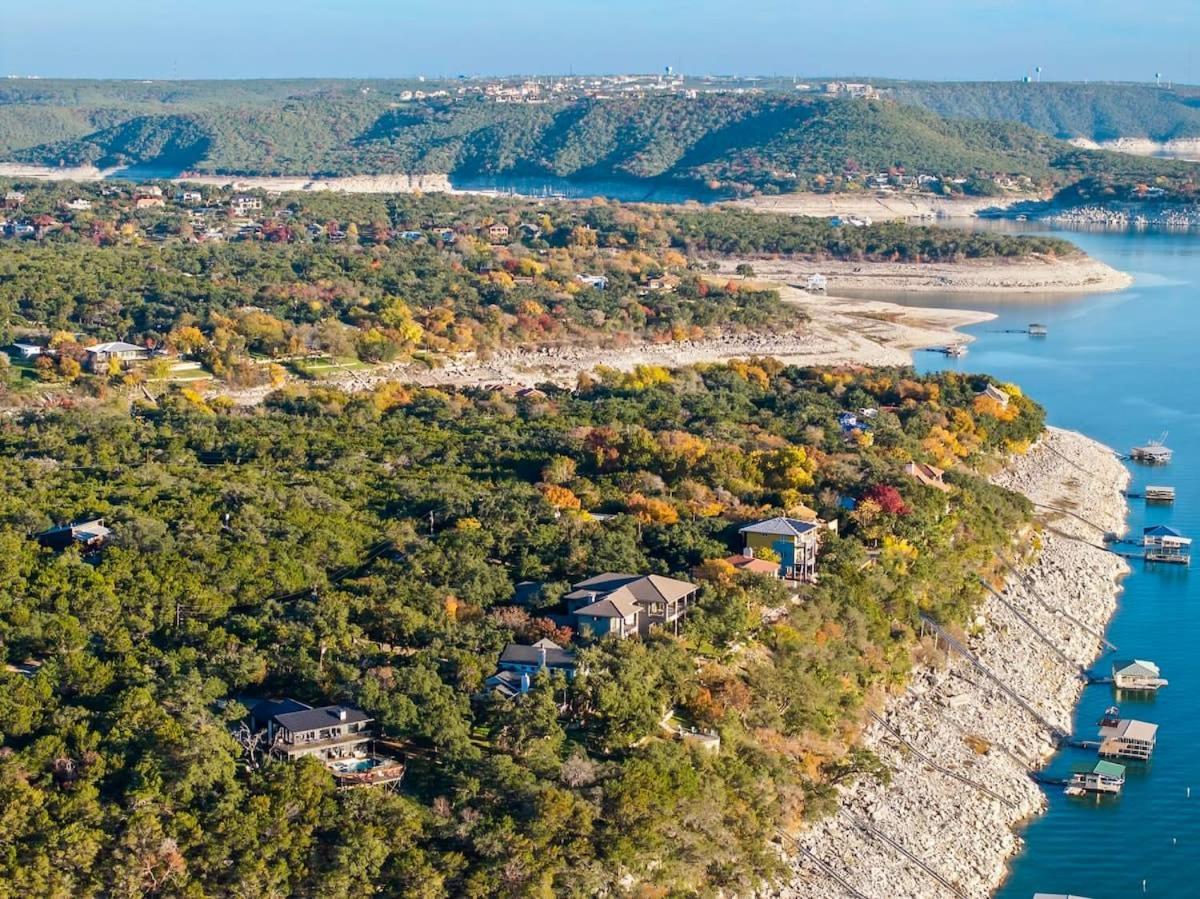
pixel 103 353
pixel 793 540
pixel 628 604
pixel 445 235
pixel 654 285
pixel 497 232
pixel 245 203
pixel 13 199
pixel 928 475
pixel 596 282
pixel 145 201
pixel 88 534
pixel 190 197
pixel 816 283
pixel 341 737
pixel 411 236
pixel 30 350
pixel 78 204
pixel 529 231
pixel 544 655
pixel 995 393
pixel 519 664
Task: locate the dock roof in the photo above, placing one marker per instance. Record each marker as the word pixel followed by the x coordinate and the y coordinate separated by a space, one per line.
pixel 1132 729
pixel 1161 530
pixel 1136 667
pixel 1108 769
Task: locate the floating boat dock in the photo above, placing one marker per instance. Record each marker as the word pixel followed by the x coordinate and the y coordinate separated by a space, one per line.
pixel 1164 495
pixel 1104 778
pixel 1126 738
pixel 1163 543
pixel 1138 675
pixel 1152 452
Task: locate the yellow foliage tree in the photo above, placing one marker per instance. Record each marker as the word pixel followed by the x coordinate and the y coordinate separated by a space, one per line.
pixel 652 511
pixel 560 497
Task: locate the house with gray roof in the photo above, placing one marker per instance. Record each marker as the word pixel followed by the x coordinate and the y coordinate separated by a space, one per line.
pixel 341 737
pixel 519 664
pixel 102 353
pixel 89 535
pixel 628 604
pixel 794 541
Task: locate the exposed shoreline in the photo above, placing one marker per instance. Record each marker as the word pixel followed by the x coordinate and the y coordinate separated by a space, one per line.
pixel 1034 274
pixel 881 206
pixel 962 833
pixel 840 331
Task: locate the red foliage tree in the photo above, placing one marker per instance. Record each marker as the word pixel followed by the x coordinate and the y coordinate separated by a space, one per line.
pixel 889 500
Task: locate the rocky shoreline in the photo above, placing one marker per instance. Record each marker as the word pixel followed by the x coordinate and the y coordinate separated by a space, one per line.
pixel 960 721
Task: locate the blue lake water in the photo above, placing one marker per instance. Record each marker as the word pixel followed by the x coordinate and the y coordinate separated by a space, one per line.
pixel 1121 368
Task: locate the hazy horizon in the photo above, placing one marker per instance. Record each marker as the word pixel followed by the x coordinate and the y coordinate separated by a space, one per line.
pixel 984 40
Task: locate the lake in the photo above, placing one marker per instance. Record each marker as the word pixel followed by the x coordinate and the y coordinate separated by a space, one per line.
pixel 1119 367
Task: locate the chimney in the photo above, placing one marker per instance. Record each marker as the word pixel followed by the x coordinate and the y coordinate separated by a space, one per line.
pixel 541 657
pixel 341 713
pixel 748 552
pixel 525 682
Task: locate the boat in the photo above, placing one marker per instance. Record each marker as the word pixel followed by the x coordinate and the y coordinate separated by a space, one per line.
pixel 1152 452
pixel 1038 330
pixel 955 350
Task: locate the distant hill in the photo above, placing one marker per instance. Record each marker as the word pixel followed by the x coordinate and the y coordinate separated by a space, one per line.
pixel 1098 112
pixel 734 142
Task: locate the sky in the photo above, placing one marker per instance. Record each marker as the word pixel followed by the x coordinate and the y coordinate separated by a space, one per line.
pixel 1073 40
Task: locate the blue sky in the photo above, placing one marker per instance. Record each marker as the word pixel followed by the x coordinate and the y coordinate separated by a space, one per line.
pixel 963 39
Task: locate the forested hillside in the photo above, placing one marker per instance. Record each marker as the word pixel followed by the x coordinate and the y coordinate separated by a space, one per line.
pixel 729 142
pixel 1095 111
pixel 235 571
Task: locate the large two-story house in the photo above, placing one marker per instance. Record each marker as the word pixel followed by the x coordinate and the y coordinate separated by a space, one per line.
pixel 793 540
pixel 628 604
pixel 339 736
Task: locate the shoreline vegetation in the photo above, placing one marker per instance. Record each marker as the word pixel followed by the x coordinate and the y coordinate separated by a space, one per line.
pixel 245 290
pixel 963 723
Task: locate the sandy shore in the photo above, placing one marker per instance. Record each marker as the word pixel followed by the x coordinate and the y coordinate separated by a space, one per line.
pixel 963 834
pixel 879 207
pixel 1037 274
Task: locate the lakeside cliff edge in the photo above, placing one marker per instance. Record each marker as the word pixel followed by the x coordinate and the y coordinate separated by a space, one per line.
pixel 961 722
